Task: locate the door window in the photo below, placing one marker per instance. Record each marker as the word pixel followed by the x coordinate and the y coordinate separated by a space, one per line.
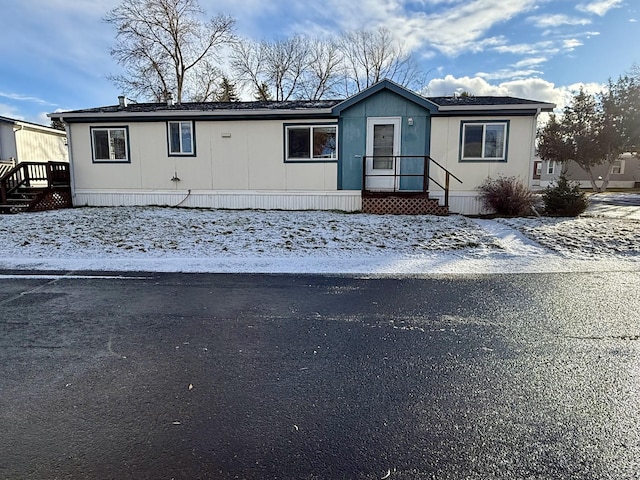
pixel 383 135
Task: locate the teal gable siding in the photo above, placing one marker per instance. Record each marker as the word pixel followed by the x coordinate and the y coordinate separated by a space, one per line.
pixel 415 139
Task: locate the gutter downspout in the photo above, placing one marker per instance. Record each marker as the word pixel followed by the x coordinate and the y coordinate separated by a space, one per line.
pixel 533 148
pixel 17 128
pixel 72 176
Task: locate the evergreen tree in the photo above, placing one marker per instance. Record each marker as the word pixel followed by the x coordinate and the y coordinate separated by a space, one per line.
pixel 595 129
pixel 263 93
pixel 58 124
pixel 227 91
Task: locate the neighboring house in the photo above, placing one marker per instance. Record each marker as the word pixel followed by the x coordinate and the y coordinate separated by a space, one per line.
pixel 302 154
pixel 34 167
pixel 625 172
pixel 29 142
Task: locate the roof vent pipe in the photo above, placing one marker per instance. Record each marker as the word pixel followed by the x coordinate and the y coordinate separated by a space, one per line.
pixel 169 98
pixel 122 101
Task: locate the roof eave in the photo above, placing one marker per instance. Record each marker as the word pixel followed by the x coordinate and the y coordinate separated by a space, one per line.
pixel 124 115
pixel 543 107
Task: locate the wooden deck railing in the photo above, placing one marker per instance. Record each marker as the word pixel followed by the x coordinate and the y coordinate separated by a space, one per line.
pixel 34 175
pixel 419 184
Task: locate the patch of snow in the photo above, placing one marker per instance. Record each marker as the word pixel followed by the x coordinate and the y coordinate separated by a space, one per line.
pixel 511 240
pixel 248 241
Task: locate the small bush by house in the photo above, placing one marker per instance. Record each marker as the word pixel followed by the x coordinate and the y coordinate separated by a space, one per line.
pixel 507 196
pixel 565 199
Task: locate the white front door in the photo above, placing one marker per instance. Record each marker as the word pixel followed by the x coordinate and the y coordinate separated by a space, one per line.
pixel 383 145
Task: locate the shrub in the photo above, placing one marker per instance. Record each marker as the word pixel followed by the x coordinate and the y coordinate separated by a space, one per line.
pixel 507 196
pixel 564 199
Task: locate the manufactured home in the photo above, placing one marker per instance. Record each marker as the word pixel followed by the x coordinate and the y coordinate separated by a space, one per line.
pixel 22 141
pixel 384 150
pixel 624 172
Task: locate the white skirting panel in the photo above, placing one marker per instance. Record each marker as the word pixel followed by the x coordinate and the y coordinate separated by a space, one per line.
pixel 465 203
pixel 345 200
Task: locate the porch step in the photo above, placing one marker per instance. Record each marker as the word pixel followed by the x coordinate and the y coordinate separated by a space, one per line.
pixel 399 205
pixel 37 199
pixel 33 186
pixel 14 207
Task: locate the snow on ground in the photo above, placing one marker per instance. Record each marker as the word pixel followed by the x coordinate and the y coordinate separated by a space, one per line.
pixel 191 240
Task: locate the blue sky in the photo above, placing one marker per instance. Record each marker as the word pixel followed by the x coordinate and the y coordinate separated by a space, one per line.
pixel 55 53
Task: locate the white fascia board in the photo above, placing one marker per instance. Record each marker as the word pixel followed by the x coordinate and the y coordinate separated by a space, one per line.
pixel 530 106
pixel 40 128
pixel 193 113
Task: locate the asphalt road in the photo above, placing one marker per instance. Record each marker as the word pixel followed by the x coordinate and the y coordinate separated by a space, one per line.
pixel 166 376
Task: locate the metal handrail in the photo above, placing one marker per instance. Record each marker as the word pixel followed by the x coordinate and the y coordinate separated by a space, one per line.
pixel 425 175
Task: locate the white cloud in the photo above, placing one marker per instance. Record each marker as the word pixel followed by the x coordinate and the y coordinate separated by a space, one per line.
pixel 463 27
pixel 448 26
pixel 42 119
pixel 547 21
pixel 528 48
pixel 571 44
pixel 26 98
pixel 593 88
pixel 10 111
pixel 530 88
pixel 530 62
pixel 600 7
pixel 508 73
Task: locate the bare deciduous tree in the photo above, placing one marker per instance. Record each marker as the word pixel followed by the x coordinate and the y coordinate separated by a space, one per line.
pixel 205 82
pixel 279 65
pixel 163 44
pixel 373 55
pixel 322 77
pixel 286 62
pixel 247 62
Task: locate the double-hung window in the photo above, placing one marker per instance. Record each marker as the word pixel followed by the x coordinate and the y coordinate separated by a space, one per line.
pixel 311 143
pixel 484 141
pixel 110 144
pixel 551 167
pixel 181 138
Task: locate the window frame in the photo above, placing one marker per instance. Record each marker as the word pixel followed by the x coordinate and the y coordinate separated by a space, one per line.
pixel 192 125
pixel 109 128
pixel 618 164
pixel 311 127
pixel 484 124
pixel 551 167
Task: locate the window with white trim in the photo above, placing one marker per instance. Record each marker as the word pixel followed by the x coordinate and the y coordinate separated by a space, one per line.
pixel 617 167
pixel 110 144
pixel 484 141
pixel 551 167
pixel 180 136
pixel 311 143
